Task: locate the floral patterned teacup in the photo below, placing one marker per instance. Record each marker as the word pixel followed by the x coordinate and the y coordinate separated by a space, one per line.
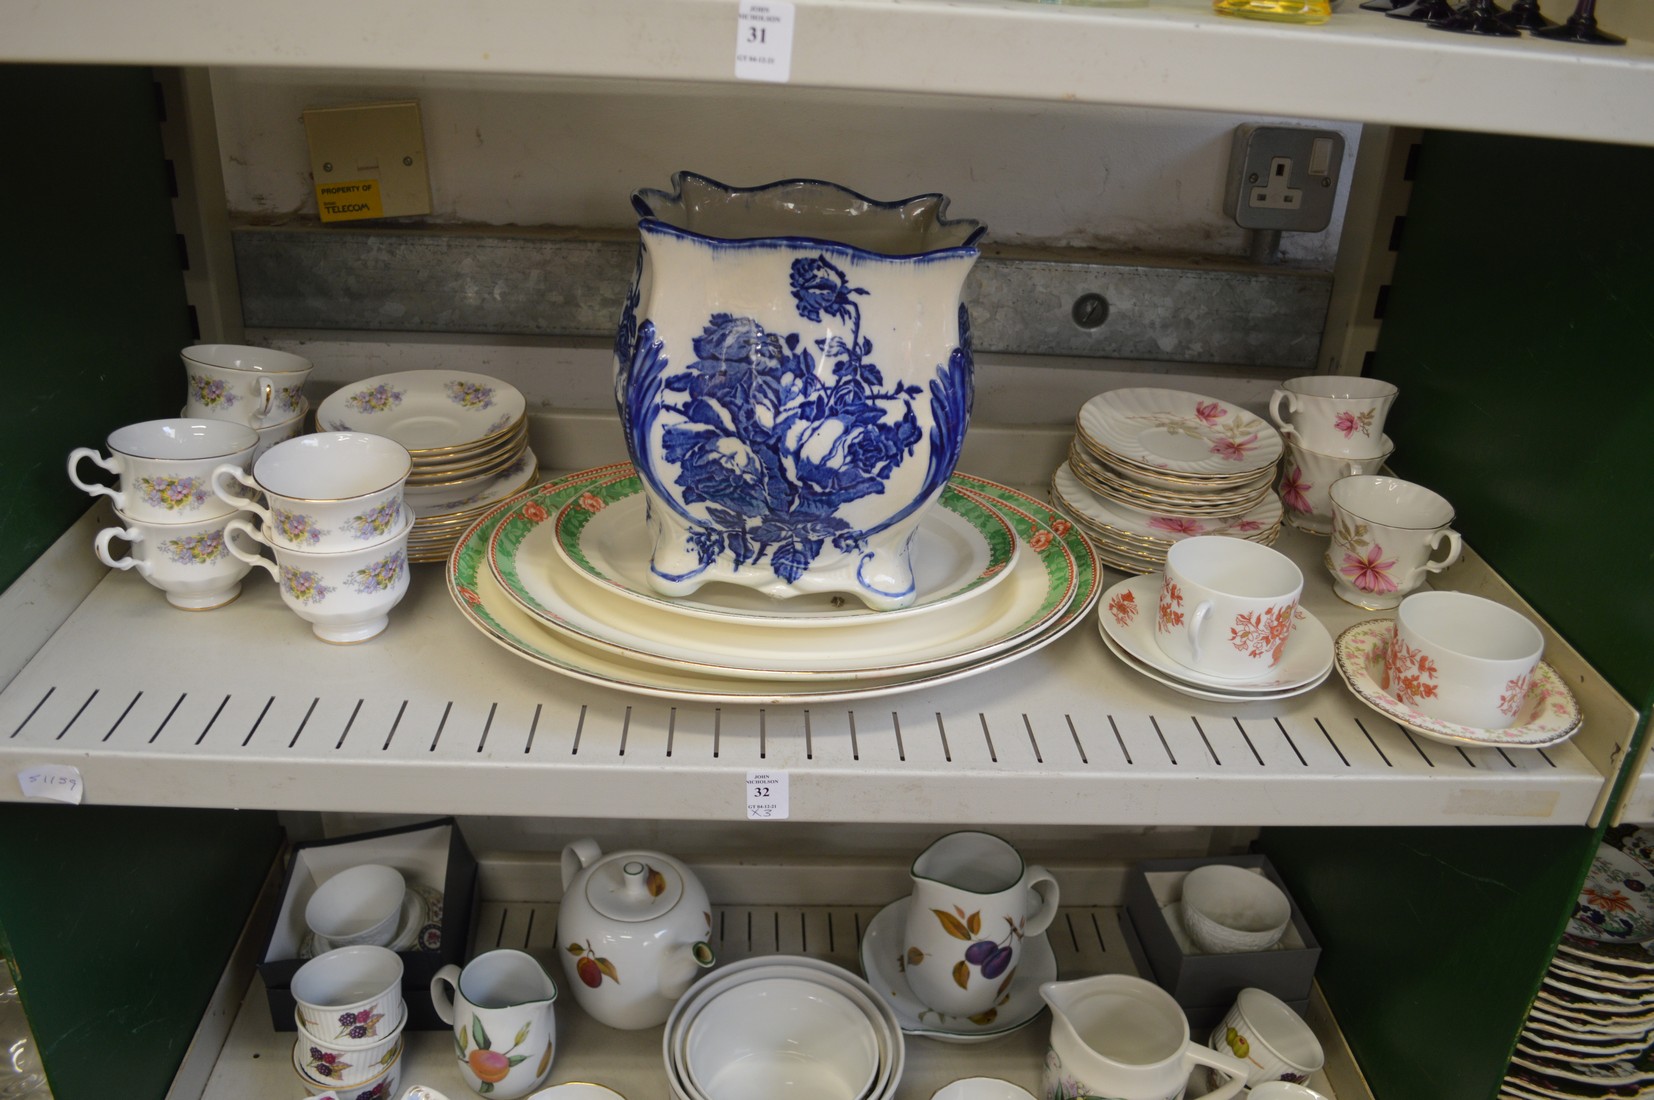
pixel 1463 659
pixel 251 386
pixel 345 596
pixel 1226 606
pixel 188 561
pixel 1334 414
pixel 328 492
pixel 165 467
pixel 1384 531
pixel 1306 483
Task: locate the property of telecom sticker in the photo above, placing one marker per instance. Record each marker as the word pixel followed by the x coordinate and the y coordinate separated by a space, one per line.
pixel 766 796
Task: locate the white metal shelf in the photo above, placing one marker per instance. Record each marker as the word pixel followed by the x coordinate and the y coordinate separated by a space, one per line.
pixel 242 707
pixel 1173 53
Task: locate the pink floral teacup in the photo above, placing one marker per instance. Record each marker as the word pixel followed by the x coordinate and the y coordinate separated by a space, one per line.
pixel 1334 414
pixel 1384 531
pixel 1462 659
pixel 1306 483
pixel 1226 606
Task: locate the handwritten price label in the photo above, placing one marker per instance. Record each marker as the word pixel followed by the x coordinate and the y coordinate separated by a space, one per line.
pixel 766 796
pixel 57 782
pixel 764 41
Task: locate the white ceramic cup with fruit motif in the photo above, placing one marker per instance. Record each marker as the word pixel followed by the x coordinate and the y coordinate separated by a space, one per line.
pixel 350 996
pixel 345 596
pixel 1226 606
pixel 1463 659
pixel 251 386
pixel 973 903
pixel 165 467
pixel 1306 483
pixel 1264 1032
pixel 1334 414
pixel 188 561
pixel 327 492
pixel 1384 533
pixel 503 1021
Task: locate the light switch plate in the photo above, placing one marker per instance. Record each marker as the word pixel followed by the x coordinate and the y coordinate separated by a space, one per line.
pixel 368 161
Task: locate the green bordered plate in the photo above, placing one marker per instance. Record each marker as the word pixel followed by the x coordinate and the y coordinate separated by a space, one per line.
pixel 962 549
pixel 524 558
pixel 484 603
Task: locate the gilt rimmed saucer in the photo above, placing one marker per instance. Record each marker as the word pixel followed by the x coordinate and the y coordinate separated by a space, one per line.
pixel 882 963
pixel 1126 616
pixel 1259 524
pixel 1179 432
pixel 437 504
pixel 962 549
pixel 427 411
pixel 1550 713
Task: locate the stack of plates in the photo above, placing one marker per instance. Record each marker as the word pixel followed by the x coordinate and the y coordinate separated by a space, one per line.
pixel 467 434
pixel 1149 467
pixel 558 575
pixel 1591 1026
pixel 1127 620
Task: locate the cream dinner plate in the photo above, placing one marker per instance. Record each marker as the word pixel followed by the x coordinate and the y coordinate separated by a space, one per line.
pixel 426 410
pixel 485 605
pixel 1020 1005
pixel 1550 713
pixel 1127 620
pixel 524 559
pixel 962 549
pixel 1179 432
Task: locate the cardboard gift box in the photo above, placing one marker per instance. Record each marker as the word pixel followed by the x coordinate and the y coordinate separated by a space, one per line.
pixel 1206 985
pixel 441 874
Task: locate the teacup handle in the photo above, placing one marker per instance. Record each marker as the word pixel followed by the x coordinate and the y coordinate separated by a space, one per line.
pixel 241 526
pixel 1042 883
pixel 1199 616
pixel 1275 400
pixel 101 547
pixel 92 487
pixel 441 999
pixel 267 398
pixel 1230 1067
pixel 231 470
pixel 1455 547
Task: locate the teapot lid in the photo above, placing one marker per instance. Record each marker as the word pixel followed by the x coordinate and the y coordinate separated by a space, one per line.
pixel 629 887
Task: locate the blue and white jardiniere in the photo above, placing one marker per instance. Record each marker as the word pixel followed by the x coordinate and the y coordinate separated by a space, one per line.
pixel 793 371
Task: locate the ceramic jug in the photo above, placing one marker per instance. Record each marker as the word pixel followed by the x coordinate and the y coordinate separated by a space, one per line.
pixel 1124 1038
pixel 793 372
pixel 632 930
pixel 501 1012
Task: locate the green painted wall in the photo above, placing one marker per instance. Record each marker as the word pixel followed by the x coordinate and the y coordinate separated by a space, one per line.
pixel 118 920
pixel 1520 328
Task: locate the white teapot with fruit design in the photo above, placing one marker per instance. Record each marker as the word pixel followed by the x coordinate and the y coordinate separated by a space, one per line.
pixel 632 932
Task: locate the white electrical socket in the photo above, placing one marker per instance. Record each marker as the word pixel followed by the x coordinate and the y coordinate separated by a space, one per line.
pixel 1284 178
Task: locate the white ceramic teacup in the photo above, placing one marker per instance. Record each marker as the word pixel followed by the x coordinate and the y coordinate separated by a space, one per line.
pixel 346 596
pixel 360 904
pixel 165 467
pixel 326 492
pixel 974 901
pixel 1306 483
pixel 251 386
pixel 350 996
pixel 189 561
pixel 1383 535
pixel 1334 414
pixel 1463 659
pixel 1263 1031
pixel 1226 606
pixel 1228 910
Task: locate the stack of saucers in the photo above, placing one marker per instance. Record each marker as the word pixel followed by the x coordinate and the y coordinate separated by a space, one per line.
pixel 467 433
pixel 1149 467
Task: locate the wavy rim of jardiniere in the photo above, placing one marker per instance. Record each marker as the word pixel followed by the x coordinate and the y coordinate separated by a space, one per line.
pixel 650 218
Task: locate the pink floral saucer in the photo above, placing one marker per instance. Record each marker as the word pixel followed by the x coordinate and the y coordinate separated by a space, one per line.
pixel 1550 713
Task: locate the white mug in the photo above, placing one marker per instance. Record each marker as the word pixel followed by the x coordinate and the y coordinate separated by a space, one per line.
pixel 1306 483
pixel 1463 659
pixel 1334 414
pixel 327 492
pixel 190 561
pixel 165 467
pixel 974 901
pixel 503 1022
pixel 346 596
pixel 1384 531
pixel 1263 1031
pixel 251 386
pixel 1226 606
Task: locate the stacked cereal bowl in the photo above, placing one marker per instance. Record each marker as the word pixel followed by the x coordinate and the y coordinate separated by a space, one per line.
pixel 350 1014
pixel 467 437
